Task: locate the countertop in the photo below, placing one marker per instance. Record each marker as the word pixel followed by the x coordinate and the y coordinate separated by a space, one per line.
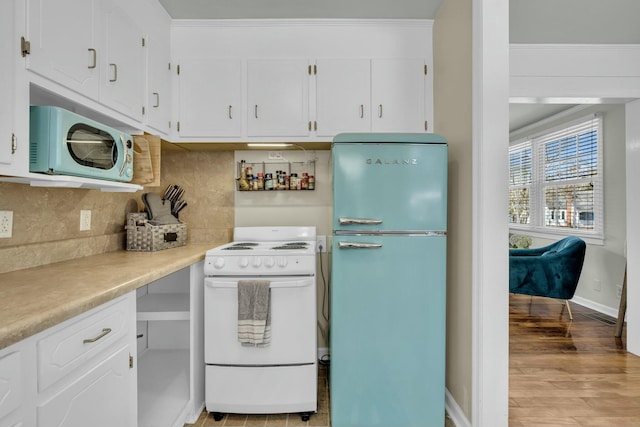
pixel 34 299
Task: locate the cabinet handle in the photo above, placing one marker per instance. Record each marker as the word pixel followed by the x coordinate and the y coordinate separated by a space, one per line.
pixel 255 110
pixel 115 72
pixel 93 53
pixel 104 332
pixel 362 111
pixel 14 143
pixel 380 111
pixel 157 95
pixel 230 115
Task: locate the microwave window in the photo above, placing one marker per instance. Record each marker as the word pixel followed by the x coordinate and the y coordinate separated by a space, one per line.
pixel 92 147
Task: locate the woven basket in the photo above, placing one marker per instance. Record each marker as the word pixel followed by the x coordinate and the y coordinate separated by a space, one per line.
pixel 145 237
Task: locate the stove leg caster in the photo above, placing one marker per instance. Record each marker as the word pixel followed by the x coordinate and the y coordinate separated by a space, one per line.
pixel 305 416
pixel 217 416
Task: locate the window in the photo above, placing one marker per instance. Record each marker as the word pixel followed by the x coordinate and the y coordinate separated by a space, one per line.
pixel 555 180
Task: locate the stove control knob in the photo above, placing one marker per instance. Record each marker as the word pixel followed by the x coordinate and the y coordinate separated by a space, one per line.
pixel 269 262
pixel 282 261
pixel 256 262
pixel 243 262
pixel 218 262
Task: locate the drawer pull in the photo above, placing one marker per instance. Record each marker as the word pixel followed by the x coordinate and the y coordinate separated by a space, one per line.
pixel 104 332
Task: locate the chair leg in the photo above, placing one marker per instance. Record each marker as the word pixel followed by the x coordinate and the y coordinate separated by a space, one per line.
pixel 568 309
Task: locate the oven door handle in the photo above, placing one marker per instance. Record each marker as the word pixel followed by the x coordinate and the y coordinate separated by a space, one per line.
pixel 217 284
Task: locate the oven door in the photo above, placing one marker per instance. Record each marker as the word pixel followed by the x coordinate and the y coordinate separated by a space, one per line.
pixel 293 323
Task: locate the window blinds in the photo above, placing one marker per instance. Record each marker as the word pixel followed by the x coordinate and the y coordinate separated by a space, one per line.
pixel 556 178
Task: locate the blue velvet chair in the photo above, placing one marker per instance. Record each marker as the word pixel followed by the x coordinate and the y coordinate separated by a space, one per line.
pixel 551 271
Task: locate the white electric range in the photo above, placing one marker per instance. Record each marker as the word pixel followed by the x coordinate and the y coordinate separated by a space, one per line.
pixel 282 376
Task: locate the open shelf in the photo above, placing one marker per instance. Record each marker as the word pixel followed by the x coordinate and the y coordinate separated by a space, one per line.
pixel 61 181
pixel 163 387
pixel 163 306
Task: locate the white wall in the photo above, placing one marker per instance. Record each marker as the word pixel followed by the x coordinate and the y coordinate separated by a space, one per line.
pixel 603 263
pixel 574 21
pixel 293 207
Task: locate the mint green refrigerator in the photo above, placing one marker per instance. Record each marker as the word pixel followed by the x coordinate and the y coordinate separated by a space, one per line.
pixel 388 280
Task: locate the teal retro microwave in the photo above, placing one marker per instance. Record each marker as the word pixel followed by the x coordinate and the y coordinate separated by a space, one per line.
pixel 65 143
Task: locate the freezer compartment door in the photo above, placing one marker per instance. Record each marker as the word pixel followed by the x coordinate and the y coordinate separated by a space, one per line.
pixel 388 301
pixel 293 323
pixel 395 186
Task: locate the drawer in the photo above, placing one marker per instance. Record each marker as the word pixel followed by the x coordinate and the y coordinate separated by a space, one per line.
pixel 78 340
pixel 10 382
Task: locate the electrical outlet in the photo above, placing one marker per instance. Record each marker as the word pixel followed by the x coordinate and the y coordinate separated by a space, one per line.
pixel 85 220
pixel 597 285
pixel 6 224
pixel 321 243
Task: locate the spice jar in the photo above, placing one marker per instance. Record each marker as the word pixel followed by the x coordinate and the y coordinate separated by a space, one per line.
pixel 304 182
pixel 312 182
pixel 268 181
pixel 260 181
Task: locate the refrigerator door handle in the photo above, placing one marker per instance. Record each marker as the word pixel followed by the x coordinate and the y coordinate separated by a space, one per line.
pixel 356 245
pixel 347 221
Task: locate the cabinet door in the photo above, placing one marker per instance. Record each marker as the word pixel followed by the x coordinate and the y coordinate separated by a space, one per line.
pixel 158 111
pixel 7 84
pixel 398 95
pixel 122 77
pixel 10 385
pixel 210 98
pixel 103 397
pixel 343 96
pixel 278 97
pixel 63 44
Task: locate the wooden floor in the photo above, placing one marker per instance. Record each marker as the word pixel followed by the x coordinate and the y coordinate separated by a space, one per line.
pixel 569 373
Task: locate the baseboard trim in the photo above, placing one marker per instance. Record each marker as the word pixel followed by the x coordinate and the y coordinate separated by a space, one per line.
pixel 601 308
pixel 454 411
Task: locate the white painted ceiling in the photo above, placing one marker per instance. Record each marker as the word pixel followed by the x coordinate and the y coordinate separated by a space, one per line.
pixel 301 9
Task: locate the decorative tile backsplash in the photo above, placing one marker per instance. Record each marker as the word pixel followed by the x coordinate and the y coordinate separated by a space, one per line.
pixel 46 221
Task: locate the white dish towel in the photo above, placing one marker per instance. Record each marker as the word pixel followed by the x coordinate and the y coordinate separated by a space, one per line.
pixel 254 313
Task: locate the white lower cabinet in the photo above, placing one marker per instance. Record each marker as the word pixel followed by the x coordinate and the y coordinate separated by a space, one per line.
pixel 11 388
pixel 92 369
pixel 102 397
pixel 85 369
pixel 170 349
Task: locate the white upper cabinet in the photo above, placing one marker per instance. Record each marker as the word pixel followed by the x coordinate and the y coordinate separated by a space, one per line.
pixel 122 71
pixel 343 96
pixel 210 98
pixel 158 108
pixel 304 80
pixel 398 95
pixel 8 137
pixel 278 97
pixel 63 43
